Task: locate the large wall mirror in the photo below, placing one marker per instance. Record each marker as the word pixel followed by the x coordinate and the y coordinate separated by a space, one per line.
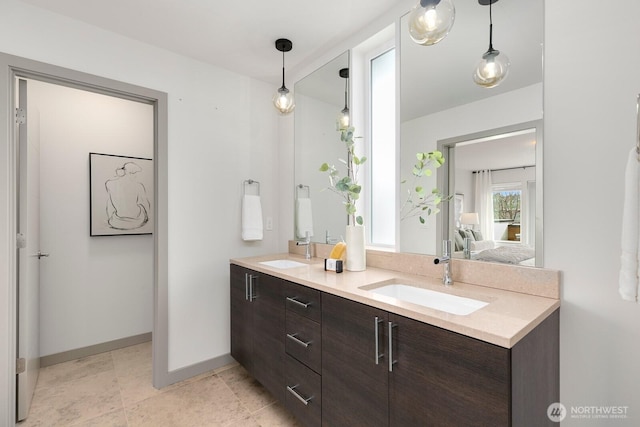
pixel 320 98
pixel 440 105
pixel 478 129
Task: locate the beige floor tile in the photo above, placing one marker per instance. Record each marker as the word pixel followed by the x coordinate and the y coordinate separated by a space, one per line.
pixel 136 388
pixel 206 402
pixel 74 370
pixel 76 401
pixel 249 391
pixel 134 360
pixel 275 416
pixel 111 419
pixel 247 421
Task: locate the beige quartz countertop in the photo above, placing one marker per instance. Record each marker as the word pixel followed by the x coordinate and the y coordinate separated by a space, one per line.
pixel 507 318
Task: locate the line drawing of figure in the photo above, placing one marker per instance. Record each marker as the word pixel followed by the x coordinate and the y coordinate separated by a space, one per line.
pixel 128 205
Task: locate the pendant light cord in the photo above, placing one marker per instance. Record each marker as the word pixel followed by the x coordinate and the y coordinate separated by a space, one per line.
pixel 283 86
pixel 490 28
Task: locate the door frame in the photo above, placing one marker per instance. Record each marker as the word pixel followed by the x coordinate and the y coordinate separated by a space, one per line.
pixel 10 68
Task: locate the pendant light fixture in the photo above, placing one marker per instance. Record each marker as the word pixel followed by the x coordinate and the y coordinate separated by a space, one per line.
pixel 494 65
pixel 283 99
pixel 344 118
pixel 431 20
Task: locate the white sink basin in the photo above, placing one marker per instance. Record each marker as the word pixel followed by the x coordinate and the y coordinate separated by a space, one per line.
pixel 283 263
pixel 432 299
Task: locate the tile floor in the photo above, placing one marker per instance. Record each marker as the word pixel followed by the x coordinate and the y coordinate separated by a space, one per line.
pixel 114 389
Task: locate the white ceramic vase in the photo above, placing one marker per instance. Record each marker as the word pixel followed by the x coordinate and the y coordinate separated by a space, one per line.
pixel 356 251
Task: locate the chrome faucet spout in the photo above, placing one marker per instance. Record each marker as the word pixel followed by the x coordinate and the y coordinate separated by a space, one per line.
pixel 445 260
pixel 307 243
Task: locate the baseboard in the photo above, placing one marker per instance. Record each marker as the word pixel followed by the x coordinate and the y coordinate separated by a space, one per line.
pixel 78 353
pixel 190 371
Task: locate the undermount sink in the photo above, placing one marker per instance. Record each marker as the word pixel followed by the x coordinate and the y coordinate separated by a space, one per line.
pixel 283 263
pixel 432 299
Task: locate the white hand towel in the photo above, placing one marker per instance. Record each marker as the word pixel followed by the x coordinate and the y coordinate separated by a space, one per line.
pixel 628 283
pixel 251 217
pixel 304 218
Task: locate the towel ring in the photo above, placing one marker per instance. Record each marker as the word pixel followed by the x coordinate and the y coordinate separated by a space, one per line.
pixel 250 182
pixel 300 188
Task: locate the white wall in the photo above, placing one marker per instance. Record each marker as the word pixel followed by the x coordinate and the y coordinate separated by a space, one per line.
pixel 93 289
pixel 590 125
pixel 222 129
pixel 422 134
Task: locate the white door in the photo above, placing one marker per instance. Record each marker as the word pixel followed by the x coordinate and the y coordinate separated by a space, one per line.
pixel 29 255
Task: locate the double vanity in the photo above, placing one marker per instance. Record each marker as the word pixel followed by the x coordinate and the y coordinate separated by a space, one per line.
pixel 387 347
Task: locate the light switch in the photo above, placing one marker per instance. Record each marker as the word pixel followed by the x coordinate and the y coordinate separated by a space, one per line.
pixel 269 223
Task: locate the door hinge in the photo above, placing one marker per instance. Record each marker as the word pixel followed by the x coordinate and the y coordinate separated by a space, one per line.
pixel 21 365
pixel 21 116
pixel 21 241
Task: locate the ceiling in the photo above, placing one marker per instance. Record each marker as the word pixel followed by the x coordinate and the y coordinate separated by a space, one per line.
pixel 439 77
pixel 504 151
pixel 236 35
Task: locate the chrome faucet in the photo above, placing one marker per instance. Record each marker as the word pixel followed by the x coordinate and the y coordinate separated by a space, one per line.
pixel 445 260
pixel 328 239
pixel 306 242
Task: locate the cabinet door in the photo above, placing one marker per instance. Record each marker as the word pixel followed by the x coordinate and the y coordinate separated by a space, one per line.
pixel 241 318
pixel 268 333
pixel 441 378
pixel 354 387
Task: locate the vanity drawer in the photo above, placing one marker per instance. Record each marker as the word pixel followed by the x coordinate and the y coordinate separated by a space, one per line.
pixel 304 393
pixel 303 340
pixel 302 300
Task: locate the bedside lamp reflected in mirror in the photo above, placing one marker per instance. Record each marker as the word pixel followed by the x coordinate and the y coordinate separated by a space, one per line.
pixel 469 219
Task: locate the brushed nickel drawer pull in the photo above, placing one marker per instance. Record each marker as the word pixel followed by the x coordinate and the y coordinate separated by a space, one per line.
pixel 391 361
pixel 377 332
pixel 301 304
pixel 295 339
pixel 298 396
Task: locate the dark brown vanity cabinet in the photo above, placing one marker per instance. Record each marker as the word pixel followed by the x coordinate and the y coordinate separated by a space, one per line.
pixel 257 327
pixel 380 368
pixel 303 344
pixel 336 362
pixel 354 371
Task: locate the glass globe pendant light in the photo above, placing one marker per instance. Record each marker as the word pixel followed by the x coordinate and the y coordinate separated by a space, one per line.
pixel 494 65
pixel 283 99
pixel 344 118
pixel 431 20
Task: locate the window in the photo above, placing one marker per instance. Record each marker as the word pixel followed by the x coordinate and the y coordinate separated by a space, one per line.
pixel 507 208
pixel 382 149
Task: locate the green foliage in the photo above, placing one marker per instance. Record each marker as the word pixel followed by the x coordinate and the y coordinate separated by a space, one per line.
pixel 347 186
pixel 418 202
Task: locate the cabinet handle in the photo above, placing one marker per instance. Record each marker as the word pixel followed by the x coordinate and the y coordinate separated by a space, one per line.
pixel 300 303
pixel 251 296
pixel 377 333
pixel 294 338
pixel 246 286
pixel 298 396
pixel 391 360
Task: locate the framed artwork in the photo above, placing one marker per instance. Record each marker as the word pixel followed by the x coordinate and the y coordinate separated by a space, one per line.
pixel 121 195
pixel 458 208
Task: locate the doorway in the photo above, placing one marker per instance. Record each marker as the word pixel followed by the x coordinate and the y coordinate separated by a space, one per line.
pixel 15 67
